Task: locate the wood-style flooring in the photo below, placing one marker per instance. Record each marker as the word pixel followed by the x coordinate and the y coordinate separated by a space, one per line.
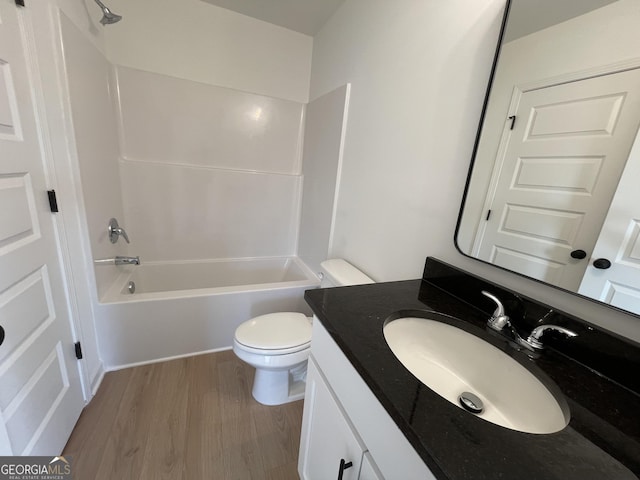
pixel 190 419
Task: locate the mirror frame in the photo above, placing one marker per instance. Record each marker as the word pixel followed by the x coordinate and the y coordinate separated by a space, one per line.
pixel 494 67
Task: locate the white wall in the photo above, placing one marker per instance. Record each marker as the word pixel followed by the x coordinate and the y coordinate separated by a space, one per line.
pixel 325 124
pixel 419 71
pixel 170 120
pixel 94 121
pixel 207 172
pixel 197 41
pixel 85 15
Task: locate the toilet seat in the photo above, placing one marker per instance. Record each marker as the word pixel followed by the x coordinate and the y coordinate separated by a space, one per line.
pixel 275 333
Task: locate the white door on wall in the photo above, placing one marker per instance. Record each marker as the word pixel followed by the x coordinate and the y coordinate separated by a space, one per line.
pixel 40 393
pixel 556 175
pixel 613 275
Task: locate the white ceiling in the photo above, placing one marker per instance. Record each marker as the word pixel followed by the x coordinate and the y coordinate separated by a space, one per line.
pixel 529 16
pixel 304 16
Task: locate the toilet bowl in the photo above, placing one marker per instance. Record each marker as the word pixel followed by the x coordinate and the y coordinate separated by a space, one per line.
pixel 278 344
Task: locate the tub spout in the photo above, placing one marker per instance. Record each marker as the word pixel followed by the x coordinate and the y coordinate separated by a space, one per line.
pixel 126 260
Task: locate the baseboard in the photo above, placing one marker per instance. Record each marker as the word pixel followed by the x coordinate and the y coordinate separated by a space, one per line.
pixel 97 381
pixel 165 359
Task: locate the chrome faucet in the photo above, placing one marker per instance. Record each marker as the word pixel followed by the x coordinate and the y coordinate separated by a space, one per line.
pixel 499 321
pixel 126 260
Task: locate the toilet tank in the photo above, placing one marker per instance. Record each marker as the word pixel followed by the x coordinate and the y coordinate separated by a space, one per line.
pixel 338 273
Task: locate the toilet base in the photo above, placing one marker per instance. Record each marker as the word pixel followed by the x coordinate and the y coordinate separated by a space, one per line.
pixel 277 387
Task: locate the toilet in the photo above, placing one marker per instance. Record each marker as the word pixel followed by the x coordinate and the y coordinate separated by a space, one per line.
pixel 278 344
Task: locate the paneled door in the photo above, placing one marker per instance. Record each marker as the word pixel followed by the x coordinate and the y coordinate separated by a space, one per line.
pixel 556 175
pixel 613 275
pixel 40 393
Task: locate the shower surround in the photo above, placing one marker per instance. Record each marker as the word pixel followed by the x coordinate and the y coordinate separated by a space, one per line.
pixel 207 172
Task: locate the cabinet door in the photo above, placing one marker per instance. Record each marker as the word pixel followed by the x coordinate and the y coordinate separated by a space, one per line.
pixel 369 471
pixel 328 439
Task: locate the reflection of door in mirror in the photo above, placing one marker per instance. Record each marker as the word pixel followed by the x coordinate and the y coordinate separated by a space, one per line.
pixel 548 47
pixel 619 242
pixel 559 161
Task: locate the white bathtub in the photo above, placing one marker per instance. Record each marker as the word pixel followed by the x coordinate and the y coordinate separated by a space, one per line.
pixel 187 308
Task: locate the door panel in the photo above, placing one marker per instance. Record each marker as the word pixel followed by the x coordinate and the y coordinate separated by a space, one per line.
pixel 577 175
pixel 40 398
pixel 9 120
pixel 580 116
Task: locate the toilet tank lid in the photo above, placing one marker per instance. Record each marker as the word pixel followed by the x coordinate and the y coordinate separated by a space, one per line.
pixel 341 273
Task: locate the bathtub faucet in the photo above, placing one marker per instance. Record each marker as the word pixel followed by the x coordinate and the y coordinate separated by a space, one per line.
pixel 126 260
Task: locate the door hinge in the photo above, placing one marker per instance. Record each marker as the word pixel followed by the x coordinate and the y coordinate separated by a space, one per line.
pixel 78 350
pixel 488 215
pixel 513 121
pixel 20 3
pixel 53 201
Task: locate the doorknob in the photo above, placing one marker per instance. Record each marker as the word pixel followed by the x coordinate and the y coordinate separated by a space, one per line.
pixel 579 254
pixel 602 263
pixel 1 335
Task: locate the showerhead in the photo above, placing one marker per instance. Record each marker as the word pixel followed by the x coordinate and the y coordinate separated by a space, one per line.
pixel 108 17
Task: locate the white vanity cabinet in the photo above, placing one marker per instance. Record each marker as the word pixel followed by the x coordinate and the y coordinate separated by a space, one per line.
pixel 343 422
pixel 331 448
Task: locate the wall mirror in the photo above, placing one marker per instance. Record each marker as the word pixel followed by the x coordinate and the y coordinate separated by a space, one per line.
pixel 553 192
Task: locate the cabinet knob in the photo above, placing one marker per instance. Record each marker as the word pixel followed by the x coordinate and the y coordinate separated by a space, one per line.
pixel 602 263
pixel 1 335
pixel 343 466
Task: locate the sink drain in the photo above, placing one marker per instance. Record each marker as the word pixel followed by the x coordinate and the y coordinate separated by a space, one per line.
pixel 471 402
pixel 131 287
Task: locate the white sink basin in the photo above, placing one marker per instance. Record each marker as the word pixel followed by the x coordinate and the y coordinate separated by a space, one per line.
pixel 451 361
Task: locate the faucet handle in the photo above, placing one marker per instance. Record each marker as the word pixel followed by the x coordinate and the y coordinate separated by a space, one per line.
pixel 120 231
pixel 499 319
pixel 499 311
pixel 116 231
pixel 535 338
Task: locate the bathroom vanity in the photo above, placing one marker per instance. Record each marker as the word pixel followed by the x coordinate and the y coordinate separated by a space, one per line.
pixel 367 417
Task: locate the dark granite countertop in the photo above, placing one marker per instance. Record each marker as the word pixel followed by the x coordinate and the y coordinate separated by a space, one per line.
pixel 602 440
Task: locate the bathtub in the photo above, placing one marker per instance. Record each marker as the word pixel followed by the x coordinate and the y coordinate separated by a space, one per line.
pixel 188 308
